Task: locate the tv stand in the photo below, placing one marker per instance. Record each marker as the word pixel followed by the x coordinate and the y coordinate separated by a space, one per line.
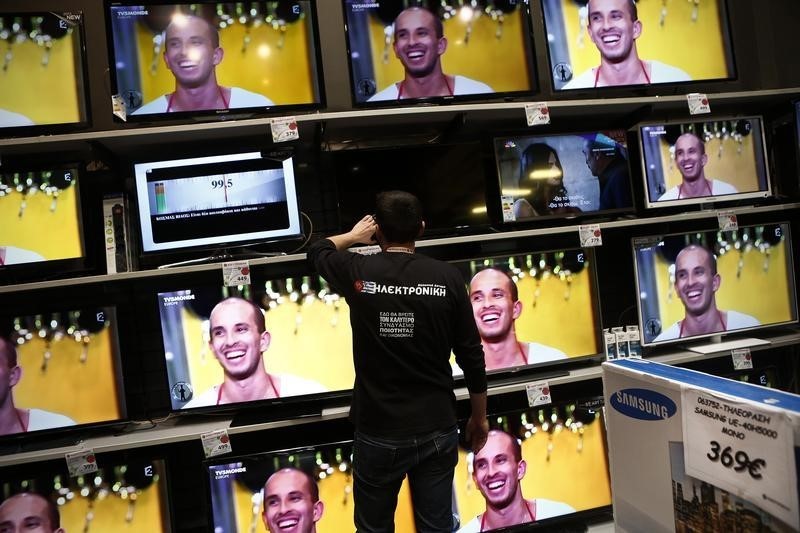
pixel 717 345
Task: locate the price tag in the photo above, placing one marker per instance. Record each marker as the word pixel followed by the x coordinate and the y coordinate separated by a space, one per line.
pixel 590 235
pixel 538 393
pixel 284 129
pixel 236 273
pixel 742 447
pixel 537 114
pixel 698 104
pixel 727 221
pixel 742 360
pixel 81 462
pixel 216 443
pixel 508 208
pixel 118 107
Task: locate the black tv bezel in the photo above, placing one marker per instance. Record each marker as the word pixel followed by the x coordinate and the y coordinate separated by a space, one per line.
pixel 255 411
pixel 78 431
pixel 219 251
pixel 57 268
pixel 709 337
pixel 494 185
pixel 533 79
pixel 211 115
pixel 658 89
pixel 81 73
pixel 751 196
pixel 501 376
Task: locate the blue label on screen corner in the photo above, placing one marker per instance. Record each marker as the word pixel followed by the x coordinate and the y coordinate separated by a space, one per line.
pixel 643 404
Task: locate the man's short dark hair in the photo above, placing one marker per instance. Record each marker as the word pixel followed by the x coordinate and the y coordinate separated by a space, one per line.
pixel 399 216
pixel 634 11
pixel 213 31
pixel 696 136
pixel 712 259
pixel 258 315
pixel 313 489
pixel 9 350
pixel 516 448
pixel 437 22
pixel 511 283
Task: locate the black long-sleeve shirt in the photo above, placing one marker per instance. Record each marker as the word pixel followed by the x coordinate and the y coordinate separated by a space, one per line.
pixel 407 313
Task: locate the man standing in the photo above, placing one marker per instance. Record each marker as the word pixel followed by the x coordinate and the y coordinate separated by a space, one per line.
pixel 291 502
pixel 605 159
pixel 192 53
pixel 239 336
pixel 407 313
pixel 696 284
pixel 614 26
pixel 419 43
pixel 15 420
pixel 496 307
pixel 497 471
pixel 691 158
pixel 28 511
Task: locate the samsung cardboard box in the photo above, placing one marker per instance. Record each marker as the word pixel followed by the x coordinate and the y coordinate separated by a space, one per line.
pixel 694 452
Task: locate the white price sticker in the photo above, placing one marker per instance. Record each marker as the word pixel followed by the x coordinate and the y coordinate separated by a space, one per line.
pixel 538 393
pixel 742 360
pixel 284 129
pixel 590 235
pixel 236 273
pixel 216 443
pixel 727 221
pixel 371 249
pixel 698 104
pixel 81 462
pixel 537 114
pixel 743 447
pixel 508 208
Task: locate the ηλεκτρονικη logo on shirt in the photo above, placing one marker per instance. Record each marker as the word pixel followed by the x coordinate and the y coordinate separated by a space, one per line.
pixel 421 289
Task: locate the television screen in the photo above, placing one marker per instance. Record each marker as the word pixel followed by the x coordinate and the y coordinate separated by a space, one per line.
pixel 40 216
pixel 400 54
pixel 449 180
pixel 214 201
pixel 706 283
pixel 291 337
pixel 43 84
pixel 534 308
pixel 123 495
pixel 562 175
pixel 175 60
pixel 538 464
pixel 704 161
pixel 252 492
pixel 59 370
pixel 619 43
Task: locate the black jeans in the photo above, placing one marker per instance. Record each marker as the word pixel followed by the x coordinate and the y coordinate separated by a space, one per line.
pixel 379 467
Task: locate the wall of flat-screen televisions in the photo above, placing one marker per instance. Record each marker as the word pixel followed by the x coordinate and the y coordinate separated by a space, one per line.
pixel 86 359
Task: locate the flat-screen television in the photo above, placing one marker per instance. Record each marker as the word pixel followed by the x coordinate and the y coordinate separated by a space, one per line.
pixel 203 59
pixel 40 218
pixel 125 494
pixel 43 87
pixel 449 180
pixel 212 202
pixel 561 175
pixel 709 283
pixel 58 370
pixel 621 43
pixel 299 489
pixel 404 53
pixel 704 161
pixel 544 464
pixel 534 308
pixel 283 338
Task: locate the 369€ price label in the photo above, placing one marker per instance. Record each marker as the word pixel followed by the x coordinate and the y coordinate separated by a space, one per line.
pixel 743 447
